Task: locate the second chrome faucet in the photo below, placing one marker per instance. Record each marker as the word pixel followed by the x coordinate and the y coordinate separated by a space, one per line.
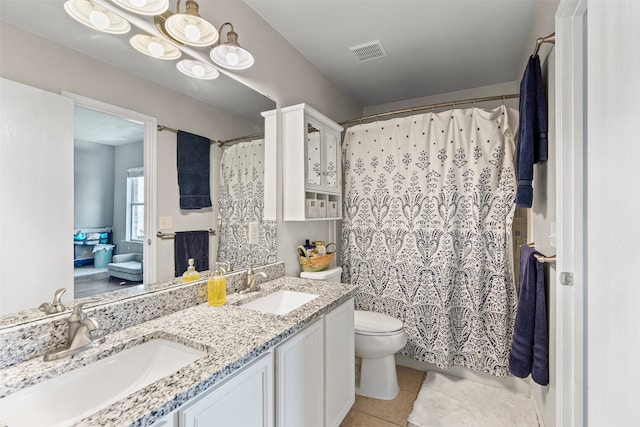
pixel 79 336
pixel 251 282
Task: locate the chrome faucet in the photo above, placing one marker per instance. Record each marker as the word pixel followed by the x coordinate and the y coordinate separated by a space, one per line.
pixel 79 337
pixel 56 306
pixel 251 280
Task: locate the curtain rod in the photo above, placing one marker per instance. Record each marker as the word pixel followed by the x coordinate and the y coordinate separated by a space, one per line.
pixel 215 141
pixel 432 106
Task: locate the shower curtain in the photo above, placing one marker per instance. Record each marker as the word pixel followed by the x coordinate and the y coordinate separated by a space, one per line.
pixel 241 201
pixel 429 202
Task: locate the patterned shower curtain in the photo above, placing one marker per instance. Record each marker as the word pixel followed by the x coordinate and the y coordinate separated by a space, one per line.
pixel 241 201
pixel 429 202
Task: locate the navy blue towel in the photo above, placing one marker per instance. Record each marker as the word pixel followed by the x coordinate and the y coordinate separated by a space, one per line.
pixel 532 130
pixel 193 171
pixel 530 346
pixel 191 244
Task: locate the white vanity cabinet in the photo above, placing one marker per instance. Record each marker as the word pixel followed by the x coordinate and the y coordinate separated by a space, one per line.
pixel 315 372
pixel 244 400
pixel 300 379
pixel 307 380
pixel 339 357
pixel 312 165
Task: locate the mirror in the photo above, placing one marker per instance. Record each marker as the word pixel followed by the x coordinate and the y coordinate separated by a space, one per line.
pixel 232 97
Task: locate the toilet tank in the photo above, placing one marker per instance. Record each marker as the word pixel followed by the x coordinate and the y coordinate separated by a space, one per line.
pixel 331 275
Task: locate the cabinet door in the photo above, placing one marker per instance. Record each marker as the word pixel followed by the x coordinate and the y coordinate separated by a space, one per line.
pixel 332 155
pixel 299 379
pixel 245 400
pixel 314 167
pixel 339 353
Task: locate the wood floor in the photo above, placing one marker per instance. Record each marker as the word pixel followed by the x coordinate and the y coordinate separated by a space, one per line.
pixel 89 283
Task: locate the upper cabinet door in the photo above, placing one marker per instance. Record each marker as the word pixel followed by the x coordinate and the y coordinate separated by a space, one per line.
pixel 332 162
pixel 312 165
pixel 313 150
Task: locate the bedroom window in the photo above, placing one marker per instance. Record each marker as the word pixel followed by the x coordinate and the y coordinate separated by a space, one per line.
pixel 135 204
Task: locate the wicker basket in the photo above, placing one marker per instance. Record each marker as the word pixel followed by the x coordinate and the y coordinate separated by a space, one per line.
pixel 316 262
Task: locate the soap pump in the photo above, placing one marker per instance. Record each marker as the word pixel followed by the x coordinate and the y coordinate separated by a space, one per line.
pixel 191 275
pixel 217 287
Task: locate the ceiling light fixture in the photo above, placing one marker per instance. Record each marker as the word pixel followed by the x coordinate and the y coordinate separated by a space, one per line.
pixel 197 69
pixel 97 17
pixel 175 32
pixel 230 54
pixel 154 47
pixel 144 7
pixel 190 28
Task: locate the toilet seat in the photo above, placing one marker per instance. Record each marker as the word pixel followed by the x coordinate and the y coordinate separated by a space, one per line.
pixel 376 324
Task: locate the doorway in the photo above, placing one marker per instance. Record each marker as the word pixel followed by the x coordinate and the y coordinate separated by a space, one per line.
pixel 114 185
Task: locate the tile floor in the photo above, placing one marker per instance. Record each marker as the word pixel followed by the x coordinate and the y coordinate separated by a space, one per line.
pixel 369 412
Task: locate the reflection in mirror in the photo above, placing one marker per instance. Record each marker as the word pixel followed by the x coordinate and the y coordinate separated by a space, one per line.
pixel 313 155
pixel 108 202
pixel 245 238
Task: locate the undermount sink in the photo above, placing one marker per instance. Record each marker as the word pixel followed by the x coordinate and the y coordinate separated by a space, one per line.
pixel 74 395
pixel 280 302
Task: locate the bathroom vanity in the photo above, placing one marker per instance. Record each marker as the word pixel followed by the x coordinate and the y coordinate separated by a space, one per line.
pixel 258 368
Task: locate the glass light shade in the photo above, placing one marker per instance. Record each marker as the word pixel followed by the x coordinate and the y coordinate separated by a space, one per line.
pixel 191 30
pixel 232 56
pixel 197 69
pixel 144 7
pixel 154 47
pixel 93 16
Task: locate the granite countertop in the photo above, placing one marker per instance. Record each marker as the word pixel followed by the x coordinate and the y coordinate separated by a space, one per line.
pixel 230 335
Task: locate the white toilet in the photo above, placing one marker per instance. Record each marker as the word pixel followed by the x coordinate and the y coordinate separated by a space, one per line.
pixel 377 338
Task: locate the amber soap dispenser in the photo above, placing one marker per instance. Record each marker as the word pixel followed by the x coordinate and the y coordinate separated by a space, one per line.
pixel 191 275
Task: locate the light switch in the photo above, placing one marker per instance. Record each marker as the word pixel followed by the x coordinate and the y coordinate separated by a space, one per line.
pixel 165 223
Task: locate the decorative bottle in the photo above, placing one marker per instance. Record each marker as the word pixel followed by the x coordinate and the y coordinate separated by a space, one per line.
pixel 217 287
pixel 191 275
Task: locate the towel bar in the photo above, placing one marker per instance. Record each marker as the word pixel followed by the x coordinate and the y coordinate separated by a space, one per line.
pixel 545 259
pixel 162 235
pixel 541 258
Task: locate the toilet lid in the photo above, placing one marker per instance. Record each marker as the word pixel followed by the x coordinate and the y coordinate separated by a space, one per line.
pixel 369 322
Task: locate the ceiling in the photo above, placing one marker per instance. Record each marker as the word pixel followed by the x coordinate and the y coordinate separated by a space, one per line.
pixel 102 128
pixel 432 46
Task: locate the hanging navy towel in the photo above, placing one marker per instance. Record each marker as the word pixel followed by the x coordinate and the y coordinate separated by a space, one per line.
pixel 530 346
pixel 191 244
pixel 532 130
pixel 193 171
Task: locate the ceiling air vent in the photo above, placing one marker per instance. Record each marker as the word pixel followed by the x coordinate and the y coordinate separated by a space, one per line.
pixel 368 51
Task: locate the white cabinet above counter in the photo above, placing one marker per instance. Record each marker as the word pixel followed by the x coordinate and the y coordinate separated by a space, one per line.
pixel 312 160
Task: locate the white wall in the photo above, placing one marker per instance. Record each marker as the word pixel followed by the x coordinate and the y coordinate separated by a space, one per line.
pixel 542 216
pixel 93 167
pixel 613 203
